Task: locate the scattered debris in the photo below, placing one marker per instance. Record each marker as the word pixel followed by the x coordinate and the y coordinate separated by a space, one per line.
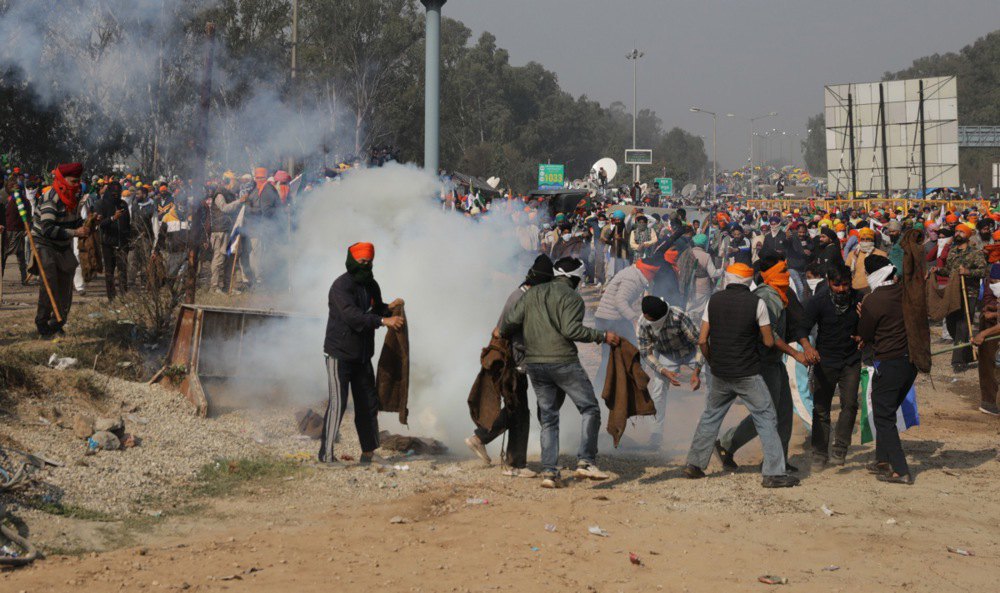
pixel 634 559
pixel 310 423
pixel 551 528
pixel 601 497
pixel 770 579
pixel 137 419
pixel 961 552
pixel 61 364
pixel 402 468
pixel 103 440
pixel 476 501
pixel 831 568
pixel 890 522
pixel 405 444
pixel 950 473
pixel 346 457
pixel 535 548
pixel 131 441
pixel 595 530
pixel 231 577
pixel 113 425
pixel 830 512
pixel 398 520
pixel 83 426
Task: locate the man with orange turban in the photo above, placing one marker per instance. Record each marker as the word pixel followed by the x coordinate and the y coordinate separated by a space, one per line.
pixel 356 311
pixel 963 262
pixel 773 290
pixel 733 327
pixel 261 225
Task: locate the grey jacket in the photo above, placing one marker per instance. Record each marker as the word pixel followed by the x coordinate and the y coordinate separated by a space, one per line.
pixel 622 298
pixel 551 318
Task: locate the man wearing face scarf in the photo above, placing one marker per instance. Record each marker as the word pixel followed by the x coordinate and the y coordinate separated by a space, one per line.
pixel 774 291
pixel 827 248
pixel 733 325
pixel 856 259
pixel 514 419
pixel 56 222
pixel 643 238
pixel 551 317
pixel 969 263
pixel 881 325
pixel 833 311
pixel 356 311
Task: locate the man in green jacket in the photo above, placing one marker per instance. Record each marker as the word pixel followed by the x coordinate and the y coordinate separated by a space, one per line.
pixel 551 319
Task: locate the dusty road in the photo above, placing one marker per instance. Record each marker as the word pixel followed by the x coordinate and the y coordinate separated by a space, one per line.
pixel 310 532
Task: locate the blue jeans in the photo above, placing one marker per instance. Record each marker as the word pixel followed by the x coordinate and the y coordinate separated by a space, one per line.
pixel 552 382
pixel 754 394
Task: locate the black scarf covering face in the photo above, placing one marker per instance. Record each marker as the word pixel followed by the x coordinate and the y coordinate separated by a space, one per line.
pixel 362 273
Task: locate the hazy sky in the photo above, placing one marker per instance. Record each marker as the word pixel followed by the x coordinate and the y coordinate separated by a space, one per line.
pixel 746 57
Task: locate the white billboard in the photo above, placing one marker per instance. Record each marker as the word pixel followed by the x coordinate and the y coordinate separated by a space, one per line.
pixel 861 110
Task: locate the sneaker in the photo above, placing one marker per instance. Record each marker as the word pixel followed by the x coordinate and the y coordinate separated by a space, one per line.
pixel 586 470
pixel 991 409
pixel 552 480
pixel 693 472
pixel 520 472
pixel 371 459
pixel 838 459
pixel 785 481
pixel 818 464
pixel 892 478
pixel 726 457
pixel 479 449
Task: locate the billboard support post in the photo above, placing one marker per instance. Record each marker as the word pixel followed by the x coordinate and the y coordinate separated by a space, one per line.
pixel 885 139
pixel 923 145
pixel 850 131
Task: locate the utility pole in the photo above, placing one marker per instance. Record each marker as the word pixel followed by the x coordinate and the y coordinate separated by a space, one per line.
pixel 634 56
pixel 923 145
pixel 196 229
pixel 750 159
pixel 432 86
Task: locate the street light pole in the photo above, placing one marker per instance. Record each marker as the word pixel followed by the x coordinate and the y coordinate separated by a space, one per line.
pixel 715 154
pixel 751 120
pixel 634 56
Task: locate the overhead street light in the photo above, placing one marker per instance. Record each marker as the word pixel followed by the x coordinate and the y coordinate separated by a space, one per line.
pixel 715 154
pixel 752 134
pixel 634 56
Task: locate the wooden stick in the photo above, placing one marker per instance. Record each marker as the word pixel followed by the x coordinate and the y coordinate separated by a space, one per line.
pixel 968 317
pixel 960 346
pixel 232 274
pixel 41 272
pixel 3 248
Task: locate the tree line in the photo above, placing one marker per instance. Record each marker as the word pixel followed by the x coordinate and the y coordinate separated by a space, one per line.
pixel 358 83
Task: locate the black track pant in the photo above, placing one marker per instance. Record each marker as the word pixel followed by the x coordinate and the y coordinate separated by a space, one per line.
pixel 359 378
pixel 893 380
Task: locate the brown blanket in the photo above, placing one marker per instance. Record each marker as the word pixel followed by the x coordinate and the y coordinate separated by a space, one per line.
pixel 918 332
pixel 392 379
pixel 625 391
pixel 91 262
pixel 494 385
pixel 943 301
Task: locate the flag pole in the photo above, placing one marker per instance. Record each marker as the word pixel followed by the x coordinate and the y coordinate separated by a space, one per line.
pixel 968 318
pixel 34 253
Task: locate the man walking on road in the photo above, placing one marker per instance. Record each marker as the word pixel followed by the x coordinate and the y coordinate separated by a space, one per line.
pixel 551 317
pixel 735 322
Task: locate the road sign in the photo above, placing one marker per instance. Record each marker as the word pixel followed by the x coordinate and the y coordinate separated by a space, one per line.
pixel 551 176
pixel 666 185
pixel 638 156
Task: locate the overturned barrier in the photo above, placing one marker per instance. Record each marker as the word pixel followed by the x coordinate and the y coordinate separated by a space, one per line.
pixel 208 351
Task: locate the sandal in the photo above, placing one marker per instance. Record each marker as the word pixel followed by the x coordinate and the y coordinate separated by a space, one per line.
pixel 879 467
pixel 894 478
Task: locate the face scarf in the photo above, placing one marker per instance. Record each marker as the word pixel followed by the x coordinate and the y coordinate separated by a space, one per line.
pixel 362 273
pixel 881 277
pixel 813 233
pixel 866 246
pixel 841 301
pixel 68 193
pixel 995 289
pixel 657 326
pixel 813 283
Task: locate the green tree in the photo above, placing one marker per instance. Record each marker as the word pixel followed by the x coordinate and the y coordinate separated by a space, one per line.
pixel 814 146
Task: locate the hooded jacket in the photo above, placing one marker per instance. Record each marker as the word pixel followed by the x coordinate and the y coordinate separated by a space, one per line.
pixel 356 311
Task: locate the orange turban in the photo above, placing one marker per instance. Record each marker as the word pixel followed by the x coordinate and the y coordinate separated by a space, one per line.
pixel 361 251
pixel 260 173
pixel 951 219
pixel 996 235
pixel 866 234
pixel 777 277
pixel 741 270
pixel 965 229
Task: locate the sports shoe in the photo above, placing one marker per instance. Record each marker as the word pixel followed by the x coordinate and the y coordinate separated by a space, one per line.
pixel 991 409
pixel 838 459
pixel 587 470
pixel 784 481
pixel 879 467
pixel 552 480
pixel 725 457
pixel 520 472
pixel 371 459
pixel 818 464
pixel 479 449
pixel 693 472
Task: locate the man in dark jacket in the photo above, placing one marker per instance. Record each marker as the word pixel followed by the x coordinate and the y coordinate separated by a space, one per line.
pixel 356 311
pixel 834 311
pixel 115 227
pixel 881 326
pixel 827 248
pixel 14 236
pixel 515 418
pixel 141 215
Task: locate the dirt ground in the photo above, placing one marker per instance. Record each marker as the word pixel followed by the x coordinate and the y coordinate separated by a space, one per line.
pixel 414 529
